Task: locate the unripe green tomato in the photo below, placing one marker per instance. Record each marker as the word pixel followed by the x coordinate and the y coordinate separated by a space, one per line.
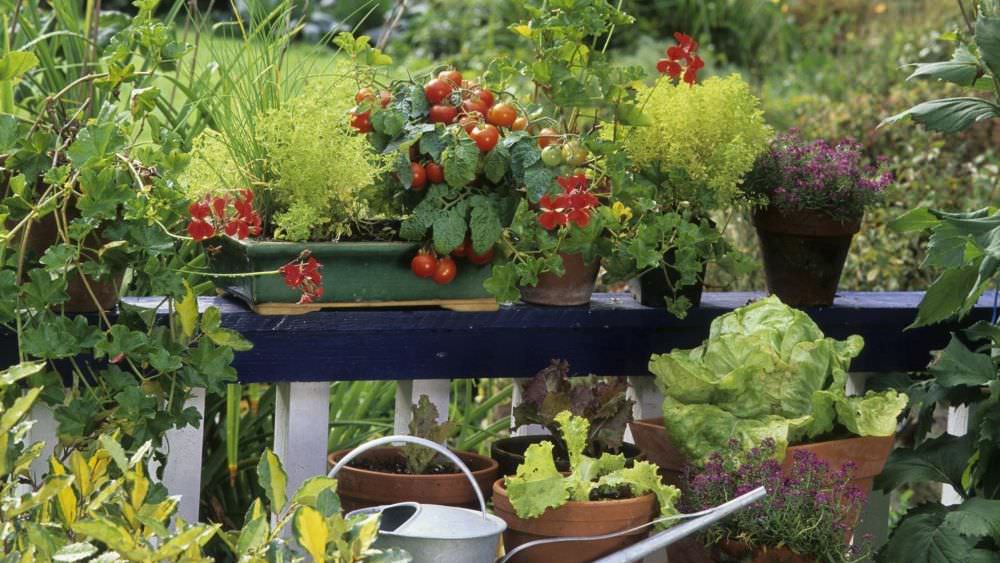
pixel 574 154
pixel 552 156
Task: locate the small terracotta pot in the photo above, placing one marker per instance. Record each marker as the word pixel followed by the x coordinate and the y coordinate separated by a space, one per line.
pixel 804 254
pixel 509 453
pixel 868 453
pixel 574 518
pixel 361 488
pixel 574 287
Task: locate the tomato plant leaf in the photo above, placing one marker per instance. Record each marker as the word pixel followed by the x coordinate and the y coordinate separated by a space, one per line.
pixel 539 180
pixel 449 231
pixel 460 160
pixel 484 224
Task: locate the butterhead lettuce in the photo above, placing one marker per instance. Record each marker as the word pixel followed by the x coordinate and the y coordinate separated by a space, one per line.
pixel 766 371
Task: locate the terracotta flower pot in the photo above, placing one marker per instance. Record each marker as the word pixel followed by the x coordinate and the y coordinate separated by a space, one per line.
pixel 509 453
pixel 592 518
pixel 361 488
pixel 868 453
pixel 804 254
pixel 574 287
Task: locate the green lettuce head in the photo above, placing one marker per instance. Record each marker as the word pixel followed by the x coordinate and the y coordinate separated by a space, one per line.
pixel 766 371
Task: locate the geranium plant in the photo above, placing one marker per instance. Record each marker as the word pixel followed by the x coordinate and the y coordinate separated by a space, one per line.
pixel 603 403
pixel 809 510
pixel 766 371
pixel 799 175
pixel 538 486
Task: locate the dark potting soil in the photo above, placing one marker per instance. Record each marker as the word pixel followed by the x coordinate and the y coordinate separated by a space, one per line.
pixel 618 493
pixel 399 467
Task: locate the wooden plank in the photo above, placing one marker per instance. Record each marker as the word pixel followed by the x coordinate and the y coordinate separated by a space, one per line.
pixel 457 305
pixel 301 428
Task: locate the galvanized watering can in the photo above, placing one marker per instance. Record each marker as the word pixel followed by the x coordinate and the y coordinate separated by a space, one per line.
pixel 432 533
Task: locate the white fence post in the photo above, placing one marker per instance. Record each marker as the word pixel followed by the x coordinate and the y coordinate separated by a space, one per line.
pixel 408 392
pixel 957 425
pixel 516 399
pixel 182 473
pixel 43 430
pixel 301 429
pixel 648 401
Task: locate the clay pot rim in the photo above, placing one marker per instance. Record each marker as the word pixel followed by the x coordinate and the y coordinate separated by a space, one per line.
pixel 819 224
pixel 491 465
pixel 499 488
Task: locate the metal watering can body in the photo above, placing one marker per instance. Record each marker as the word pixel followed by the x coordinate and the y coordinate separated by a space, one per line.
pixel 432 533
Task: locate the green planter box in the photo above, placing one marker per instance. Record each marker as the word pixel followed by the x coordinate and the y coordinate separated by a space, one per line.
pixel 355 274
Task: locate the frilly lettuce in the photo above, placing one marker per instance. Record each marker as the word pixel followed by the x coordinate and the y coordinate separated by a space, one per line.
pixel 766 371
pixel 538 486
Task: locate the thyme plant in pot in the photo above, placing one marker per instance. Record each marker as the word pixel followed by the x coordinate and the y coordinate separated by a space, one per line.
pixel 808 514
pixel 687 162
pixel 551 391
pixel 767 371
pixel 812 196
pixel 597 496
pixel 389 475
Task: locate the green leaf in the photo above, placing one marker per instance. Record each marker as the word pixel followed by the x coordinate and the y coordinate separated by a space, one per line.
pixel 460 160
pixel 949 115
pixel 958 365
pixel 946 297
pixel 872 414
pixel 485 226
pixel 52 486
pixel 632 115
pixel 75 552
pixel 17 372
pixel 95 143
pixel 14 413
pixel 211 325
pixel 914 220
pixel 942 459
pixel 432 143
pixel 404 170
pixel 449 232
pixel 496 163
pixel 537 485
pixel 963 69
pixel 15 64
pixel 538 181
pixel 311 532
pixel 574 432
pixel 388 122
pixel 273 480
pixel 922 537
pixel 311 489
pixel 976 517
pixel 253 535
pixel 187 310
pixel 988 40
pixel 115 450
pixel 143 100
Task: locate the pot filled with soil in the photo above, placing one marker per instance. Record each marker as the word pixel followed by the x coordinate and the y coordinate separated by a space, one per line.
pixel 509 452
pixel 574 287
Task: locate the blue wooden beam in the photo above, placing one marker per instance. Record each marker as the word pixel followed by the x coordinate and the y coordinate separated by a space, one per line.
pixel 614 335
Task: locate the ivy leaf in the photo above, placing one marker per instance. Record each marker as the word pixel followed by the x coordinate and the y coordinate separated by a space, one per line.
pixel 942 459
pixel 538 180
pixel 459 161
pixel 958 365
pixel 484 223
pixel 922 537
pixel 449 232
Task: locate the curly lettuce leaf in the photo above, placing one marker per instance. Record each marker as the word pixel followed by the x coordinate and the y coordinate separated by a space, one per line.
pixel 642 478
pixel 537 485
pixel 585 475
pixel 574 431
pixel 873 414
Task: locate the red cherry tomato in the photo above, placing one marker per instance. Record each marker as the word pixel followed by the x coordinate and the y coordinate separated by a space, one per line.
pixel 419 177
pixel 445 271
pixel 385 97
pixel 435 172
pixel 423 265
pixel 502 115
pixel 547 136
pixel 478 259
pixel 452 77
pixel 364 94
pixel 485 136
pixel 475 105
pixel 485 95
pixel 461 250
pixel 437 91
pixel 520 124
pixel 361 122
pixel 442 114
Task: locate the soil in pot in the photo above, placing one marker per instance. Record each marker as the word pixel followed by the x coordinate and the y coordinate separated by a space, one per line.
pixel 804 254
pixel 574 287
pixel 374 479
pixel 574 518
pixel 509 453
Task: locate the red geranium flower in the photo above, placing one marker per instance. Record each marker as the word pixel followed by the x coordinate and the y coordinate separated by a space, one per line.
pixel 574 205
pixel 682 61
pixel 303 274
pixel 214 214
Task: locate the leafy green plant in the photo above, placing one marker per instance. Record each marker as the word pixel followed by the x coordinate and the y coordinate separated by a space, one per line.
pixel 603 403
pixel 961 247
pixel 424 424
pixel 538 486
pixel 766 371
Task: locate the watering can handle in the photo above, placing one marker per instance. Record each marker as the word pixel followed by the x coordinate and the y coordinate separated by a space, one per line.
pixel 420 442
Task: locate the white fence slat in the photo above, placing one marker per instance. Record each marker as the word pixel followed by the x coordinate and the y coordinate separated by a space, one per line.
pixel 301 429
pixel 957 425
pixel 408 392
pixel 182 474
pixel 515 400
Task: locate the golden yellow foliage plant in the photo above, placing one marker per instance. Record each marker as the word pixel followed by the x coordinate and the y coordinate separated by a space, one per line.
pixel 701 139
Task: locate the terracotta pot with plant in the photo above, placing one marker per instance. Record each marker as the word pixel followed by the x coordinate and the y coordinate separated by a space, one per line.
pixel 767 371
pixel 597 496
pixel 808 514
pixel 601 401
pixel 813 197
pixel 413 473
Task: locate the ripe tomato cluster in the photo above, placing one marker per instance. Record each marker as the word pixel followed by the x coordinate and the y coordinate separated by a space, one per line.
pixel 442 269
pixel 477 110
pixel 361 121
